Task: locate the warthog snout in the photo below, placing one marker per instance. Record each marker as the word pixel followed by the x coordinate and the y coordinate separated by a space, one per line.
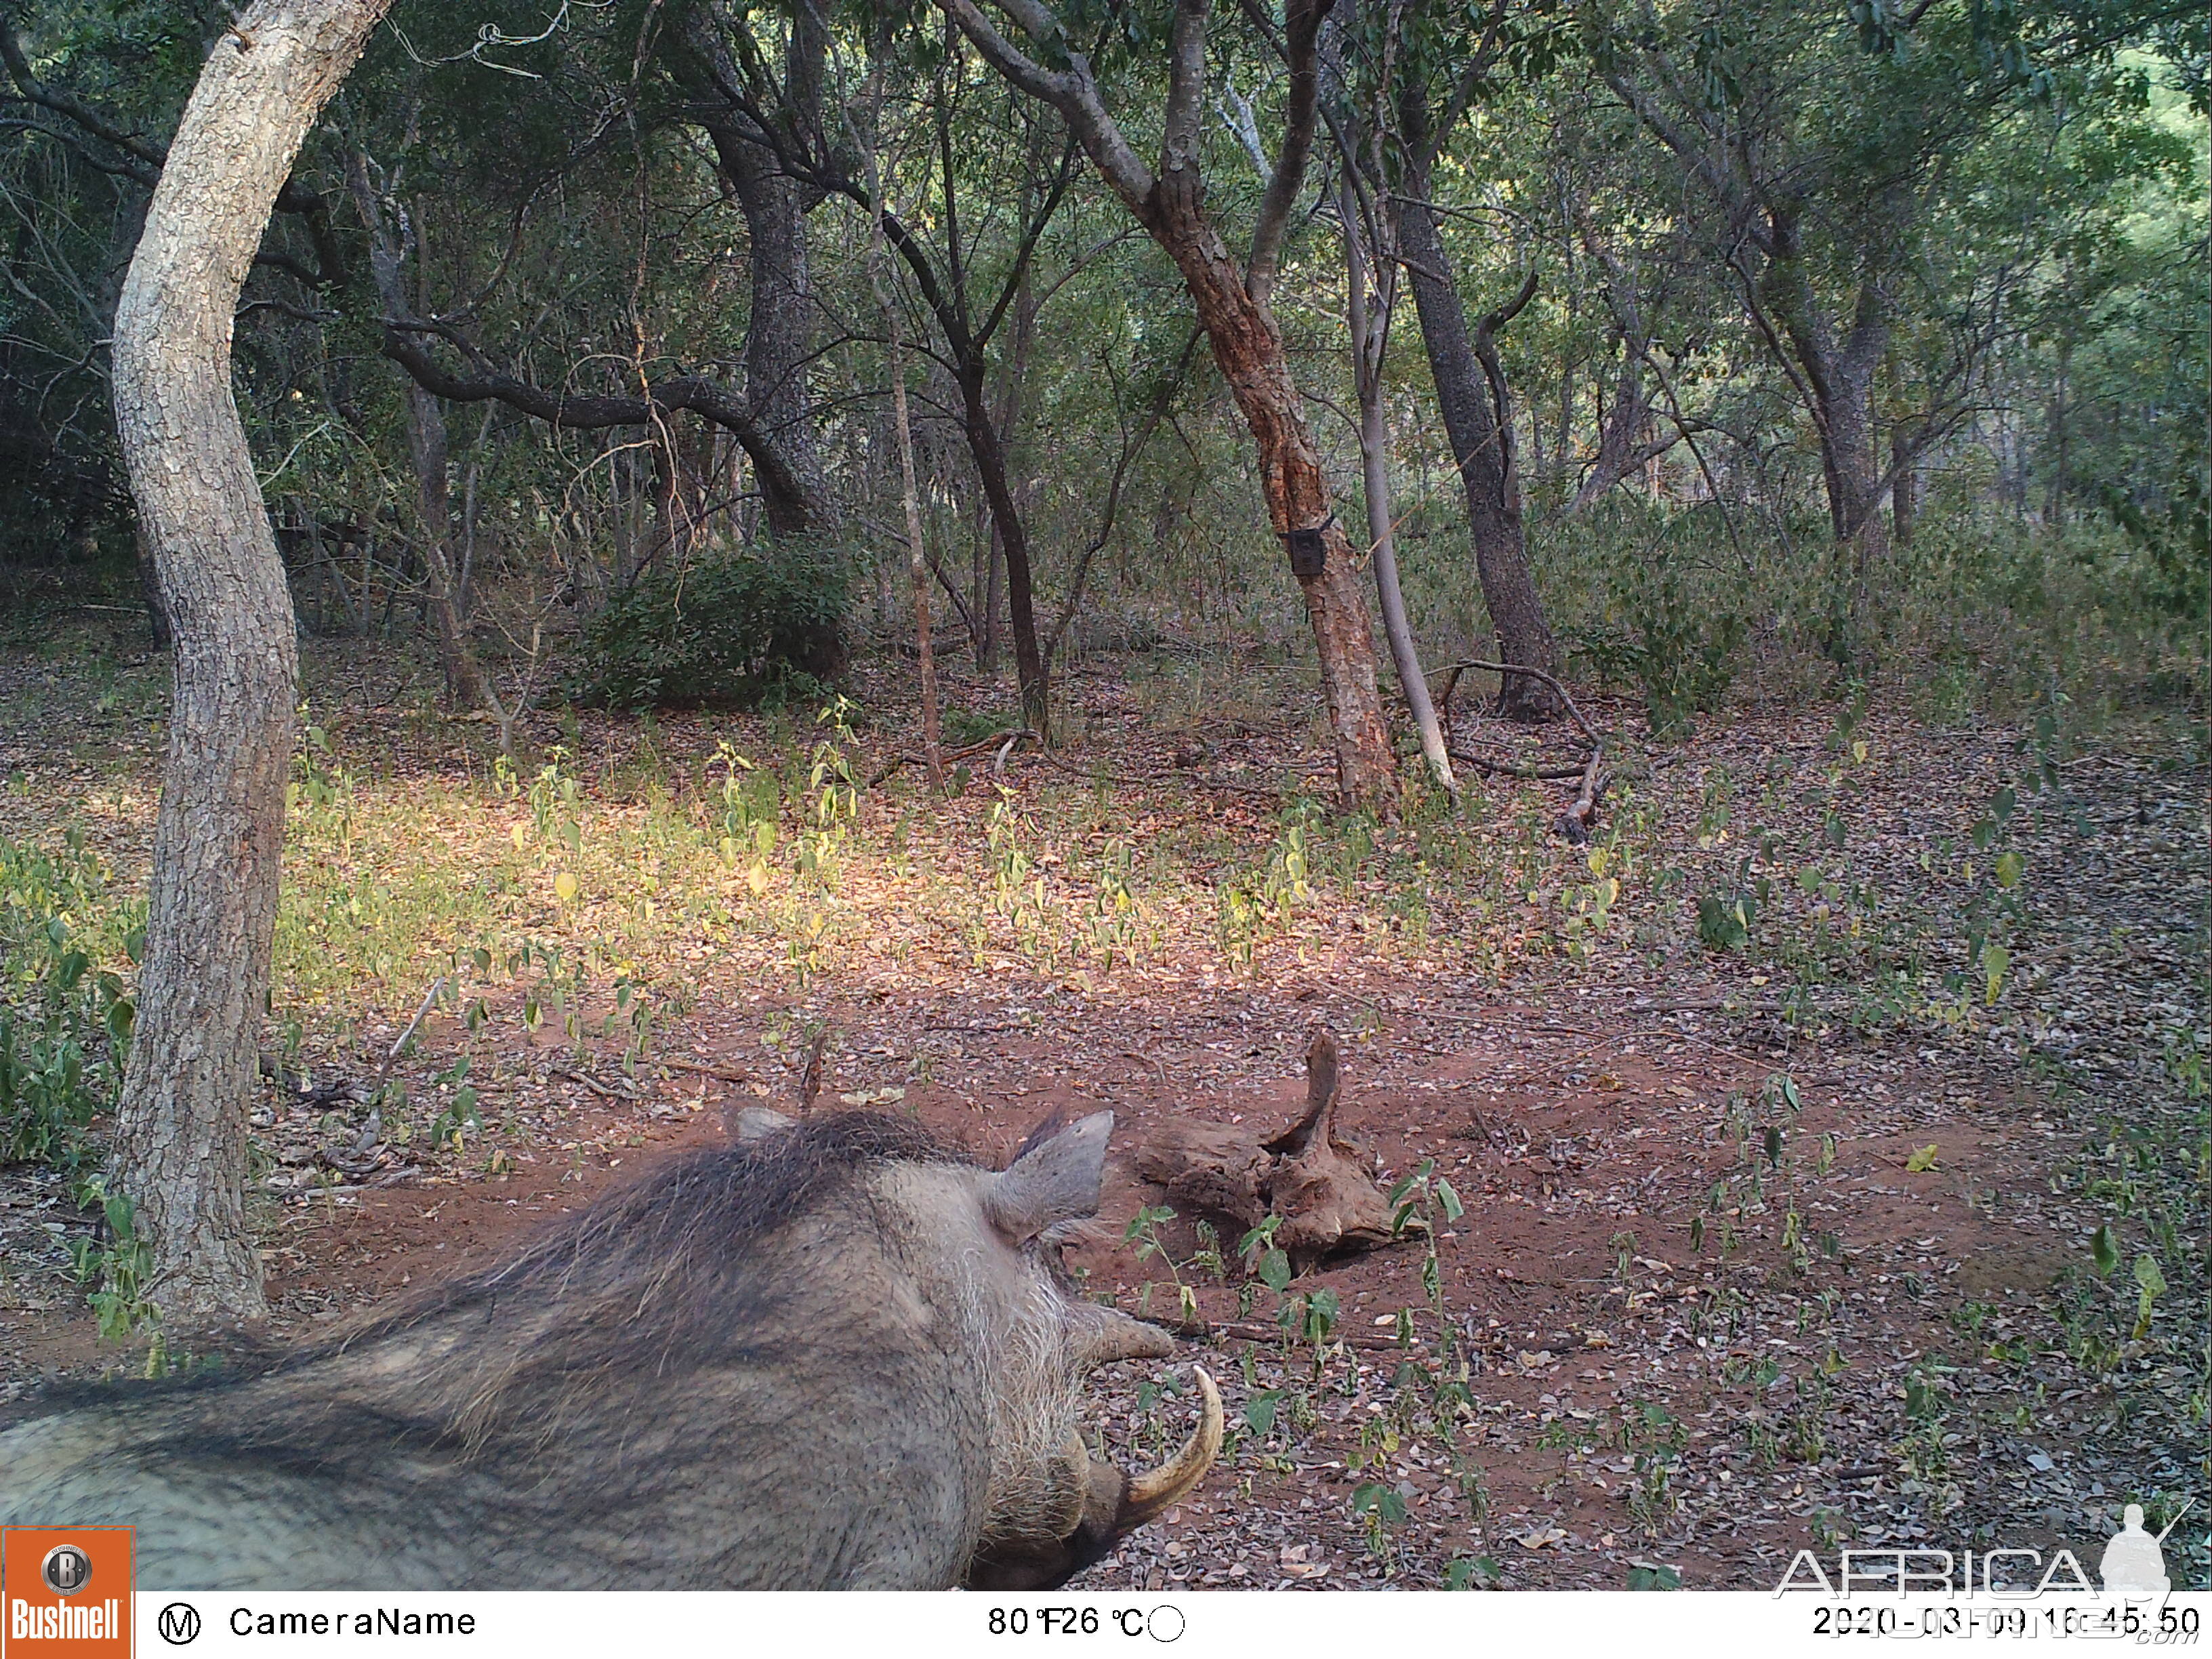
pixel 1113 1506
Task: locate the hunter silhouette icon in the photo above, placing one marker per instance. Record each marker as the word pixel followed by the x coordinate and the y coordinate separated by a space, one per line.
pixel 2133 1560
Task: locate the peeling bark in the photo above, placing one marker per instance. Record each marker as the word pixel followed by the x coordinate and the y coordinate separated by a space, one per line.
pixel 1231 299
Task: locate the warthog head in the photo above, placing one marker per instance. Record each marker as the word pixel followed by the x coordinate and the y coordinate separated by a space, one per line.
pixel 1053 1510
pixel 837 1354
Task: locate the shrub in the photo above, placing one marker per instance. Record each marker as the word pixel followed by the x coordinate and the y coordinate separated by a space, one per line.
pixel 728 631
pixel 64 1018
pixel 1672 622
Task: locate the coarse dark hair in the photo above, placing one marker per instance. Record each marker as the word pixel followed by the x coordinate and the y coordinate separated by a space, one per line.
pixel 669 1272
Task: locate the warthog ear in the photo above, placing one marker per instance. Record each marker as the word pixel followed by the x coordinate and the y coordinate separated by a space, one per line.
pixel 1055 1180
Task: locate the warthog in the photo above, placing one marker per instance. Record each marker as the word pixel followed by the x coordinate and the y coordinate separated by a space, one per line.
pixel 838 1355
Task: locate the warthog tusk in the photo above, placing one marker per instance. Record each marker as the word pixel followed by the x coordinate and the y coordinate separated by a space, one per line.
pixel 1150 1495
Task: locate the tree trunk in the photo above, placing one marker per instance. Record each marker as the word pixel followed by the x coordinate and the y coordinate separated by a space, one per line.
pixel 1233 309
pixel 2055 501
pixel 1248 347
pixel 1367 310
pixel 1852 470
pixel 1481 440
pixel 780 323
pixel 180 1127
pixel 909 491
pixel 1620 435
pixel 994 576
pixel 988 450
pixel 427 448
pixel 158 631
pixel 1903 487
pixel 1836 379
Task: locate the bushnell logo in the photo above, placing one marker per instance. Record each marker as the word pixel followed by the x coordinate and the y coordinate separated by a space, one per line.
pixel 66 1570
pixel 65 1592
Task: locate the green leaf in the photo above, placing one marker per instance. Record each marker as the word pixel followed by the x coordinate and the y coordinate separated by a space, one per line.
pixel 1725 923
pixel 1385 1502
pixel 1922 1161
pixel 1995 960
pixel 2009 866
pixel 1653 1575
pixel 1259 1412
pixel 1453 1208
pixel 2105 1251
pixel 1274 1271
pixel 2148 1276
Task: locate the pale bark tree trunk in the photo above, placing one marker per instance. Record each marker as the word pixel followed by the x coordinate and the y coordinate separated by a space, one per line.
pixel 1370 292
pixel 180 1128
pixel 910 494
pixel 1903 487
pixel 1480 425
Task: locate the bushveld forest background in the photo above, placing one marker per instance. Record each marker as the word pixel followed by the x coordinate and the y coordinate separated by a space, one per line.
pixel 789 599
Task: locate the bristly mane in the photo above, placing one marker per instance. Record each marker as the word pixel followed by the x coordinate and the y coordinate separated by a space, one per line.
pixel 684 1226
pixel 666 1270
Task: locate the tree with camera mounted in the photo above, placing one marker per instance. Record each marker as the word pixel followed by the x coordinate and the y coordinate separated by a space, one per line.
pixel 1232 298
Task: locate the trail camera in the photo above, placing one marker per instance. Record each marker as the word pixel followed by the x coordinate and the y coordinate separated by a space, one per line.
pixel 1308 553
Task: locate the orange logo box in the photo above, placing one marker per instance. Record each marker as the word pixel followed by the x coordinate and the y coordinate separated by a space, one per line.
pixel 65 1592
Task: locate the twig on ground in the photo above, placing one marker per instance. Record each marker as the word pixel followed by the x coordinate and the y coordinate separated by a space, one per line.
pixel 810 1080
pixel 590 1082
pixel 1581 815
pixel 906 757
pixel 1509 769
pixel 1455 669
pixel 429 997
pixel 1199 1331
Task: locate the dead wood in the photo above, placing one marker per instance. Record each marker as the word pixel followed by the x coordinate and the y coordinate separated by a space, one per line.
pixel 810 1080
pixel 1581 815
pixel 1580 818
pixel 1322 1186
pixel 1209 1166
pixel 1310 1175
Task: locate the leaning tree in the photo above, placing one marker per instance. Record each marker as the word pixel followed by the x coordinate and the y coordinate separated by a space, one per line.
pixel 180 1128
pixel 1233 301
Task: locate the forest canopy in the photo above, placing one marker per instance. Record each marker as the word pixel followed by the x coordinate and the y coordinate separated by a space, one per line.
pixel 1807 342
